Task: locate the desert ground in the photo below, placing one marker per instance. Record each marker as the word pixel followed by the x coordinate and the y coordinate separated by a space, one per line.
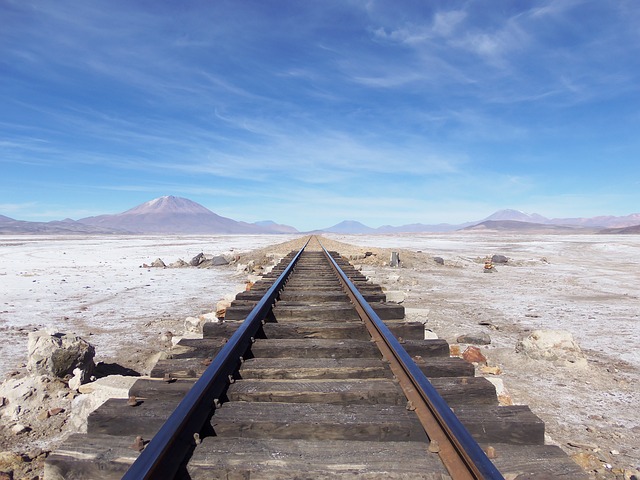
pixel 97 288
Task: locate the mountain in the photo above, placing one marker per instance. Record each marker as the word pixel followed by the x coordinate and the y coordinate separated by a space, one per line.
pixel 274 227
pixel 634 229
pixel 173 215
pixel 9 226
pixel 516 215
pixel 606 221
pixel 349 226
pixel 524 227
pixel 421 228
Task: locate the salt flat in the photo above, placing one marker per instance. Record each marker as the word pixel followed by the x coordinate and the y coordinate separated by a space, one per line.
pixel 584 284
pixel 94 287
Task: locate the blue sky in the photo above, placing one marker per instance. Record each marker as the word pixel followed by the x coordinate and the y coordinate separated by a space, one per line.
pixel 312 112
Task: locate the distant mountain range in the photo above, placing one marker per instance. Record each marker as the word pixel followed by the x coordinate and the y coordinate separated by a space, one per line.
pixel 164 215
pixel 175 215
pixel 506 220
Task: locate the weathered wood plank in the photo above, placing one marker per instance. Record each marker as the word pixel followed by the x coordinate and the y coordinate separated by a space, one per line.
pixel 366 391
pixel 426 348
pixel 313 368
pixel 96 457
pixel 465 390
pixel 157 388
pixel 225 458
pixel 504 424
pixel 535 462
pixel 116 417
pixel 445 367
pixel 314 348
pixel 313 421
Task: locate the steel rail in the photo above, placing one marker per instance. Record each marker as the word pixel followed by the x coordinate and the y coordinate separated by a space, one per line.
pixel 460 453
pixel 180 433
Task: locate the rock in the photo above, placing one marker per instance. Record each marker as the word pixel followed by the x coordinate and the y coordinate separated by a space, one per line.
pixel 166 337
pixel 430 334
pixel 18 428
pixel 439 260
pixel 396 296
pixel 193 325
pixel 28 394
pixel 395 259
pixel 179 264
pixel 60 354
pixel 10 461
pixel 209 317
pixel 553 345
pixel 490 370
pixel 197 260
pixel 474 338
pixel 219 260
pixel 587 461
pixel 76 380
pixel 474 355
pixel 222 305
pixel 454 351
pixel 499 259
pixel 158 263
pixel 504 398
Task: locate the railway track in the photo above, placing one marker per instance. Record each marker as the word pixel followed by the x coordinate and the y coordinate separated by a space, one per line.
pixel 311 375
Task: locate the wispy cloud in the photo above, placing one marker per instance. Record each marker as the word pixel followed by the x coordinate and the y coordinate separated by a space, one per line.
pixel 459 104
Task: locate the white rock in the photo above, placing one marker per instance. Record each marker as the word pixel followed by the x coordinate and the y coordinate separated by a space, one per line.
pixel 396 296
pixel 193 325
pixel 26 394
pixel 59 354
pixel 18 428
pixel 166 337
pixel 209 317
pixel 76 380
pixel 552 345
pixel 430 335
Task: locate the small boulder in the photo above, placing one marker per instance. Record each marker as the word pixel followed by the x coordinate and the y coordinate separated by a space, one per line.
pixel 474 355
pixel 553 345
pixel 439 260
pixel 504 397
pixel 499 259
pixel 219 260
pixel 395 296
pixel 430 334
pixel 209 317
pixel 178 264
pixel 60 354
pixel 197 260
pixel 165 337
pixel 193 325
pixel 158 263
pixel 475 338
